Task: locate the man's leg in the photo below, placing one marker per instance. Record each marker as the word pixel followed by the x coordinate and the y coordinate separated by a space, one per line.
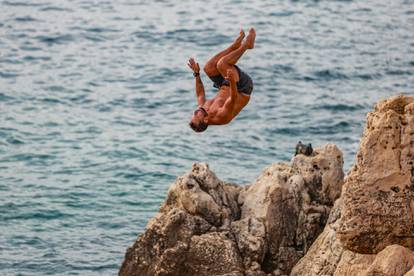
pixel 211 66
pixel 228 61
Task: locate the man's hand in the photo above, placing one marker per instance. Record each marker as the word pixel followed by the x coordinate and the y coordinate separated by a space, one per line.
pixel 193 65
pixel 231 77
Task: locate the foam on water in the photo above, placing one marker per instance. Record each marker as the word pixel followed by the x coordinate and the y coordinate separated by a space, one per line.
pixel 95 99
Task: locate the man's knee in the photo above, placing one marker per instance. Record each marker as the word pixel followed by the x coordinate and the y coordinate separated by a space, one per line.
pixel 209 69
pixel 222 65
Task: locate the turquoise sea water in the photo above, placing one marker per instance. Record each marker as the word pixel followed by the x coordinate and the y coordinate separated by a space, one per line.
pixel 95 99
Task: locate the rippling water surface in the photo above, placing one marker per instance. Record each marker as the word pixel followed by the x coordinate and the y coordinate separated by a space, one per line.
pixel 95 99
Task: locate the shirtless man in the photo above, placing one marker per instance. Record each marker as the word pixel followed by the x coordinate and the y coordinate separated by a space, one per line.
pixel 235 86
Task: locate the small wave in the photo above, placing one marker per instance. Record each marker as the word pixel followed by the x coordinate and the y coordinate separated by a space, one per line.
pixel 339 127
pixel 33 58
pixel 118 102
pixel 27 157
pixel 5 98
pixel 364 10
pixel 30 48
pixel 56 88
pixel 130 176
pixel 329 75
pixel 196 36
pixel 151 37
pixel 6 129
pixel 52 100
pixel 110 225
pixel 7 75
pixel 285 131
pixel 282 13
pixel 95 38
pixel 94 268
pixel 339 107
pixel 53 8
pixel 23 4
pixel 281 68
pixel 139 102
pixel 368 76
pixel 126 123
pixel 58 39
pixel 14 141
pixel 80 204
pixel 25 19
pixel 101 30
pixel 50 124
pixel 39 215
pixel 399 72
pixel 103 108
pixel 83 99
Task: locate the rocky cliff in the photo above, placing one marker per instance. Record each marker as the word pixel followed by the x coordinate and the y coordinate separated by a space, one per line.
pixel 370 230
pixel 208 227
pixel 293 219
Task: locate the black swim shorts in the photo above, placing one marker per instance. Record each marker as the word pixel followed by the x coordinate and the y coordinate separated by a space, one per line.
pixel 244 85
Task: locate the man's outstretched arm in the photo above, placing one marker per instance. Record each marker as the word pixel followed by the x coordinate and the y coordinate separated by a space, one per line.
pixel 201 96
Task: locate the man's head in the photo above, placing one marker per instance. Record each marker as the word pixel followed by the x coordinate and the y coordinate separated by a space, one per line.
pixel 199 120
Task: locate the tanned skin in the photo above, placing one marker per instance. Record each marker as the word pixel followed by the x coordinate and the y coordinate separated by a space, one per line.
pixel 228 102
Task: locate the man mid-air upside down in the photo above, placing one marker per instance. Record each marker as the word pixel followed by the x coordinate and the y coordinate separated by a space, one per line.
pixel 235 86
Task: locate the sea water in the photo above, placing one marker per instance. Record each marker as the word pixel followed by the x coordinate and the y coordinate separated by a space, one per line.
pixel 95 100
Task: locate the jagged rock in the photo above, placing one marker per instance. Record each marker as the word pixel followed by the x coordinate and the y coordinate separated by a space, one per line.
pixel 201 193
pixel 208 227
pixel 213 254
pixel 376 207
pixel 394 260
pixel 293 203
pixel 326 251
pixel 160 250
pixel 250 235
pixel 379 192
pixel 197 203
pixel 354 264
pixel 410 273
pixel 328 257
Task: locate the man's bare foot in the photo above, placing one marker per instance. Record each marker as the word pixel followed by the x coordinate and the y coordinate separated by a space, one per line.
pixel 251 37
pixel 237 43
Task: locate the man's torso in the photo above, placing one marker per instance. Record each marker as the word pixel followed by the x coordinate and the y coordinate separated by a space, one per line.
pixel 214 105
